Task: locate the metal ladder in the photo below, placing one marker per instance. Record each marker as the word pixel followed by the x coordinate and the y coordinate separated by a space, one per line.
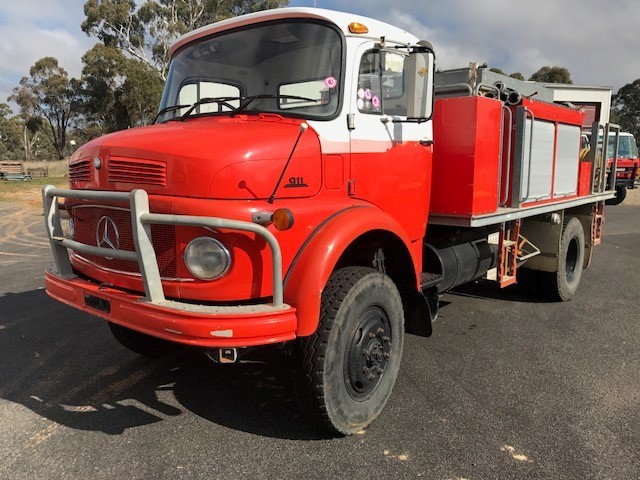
pixel 514 250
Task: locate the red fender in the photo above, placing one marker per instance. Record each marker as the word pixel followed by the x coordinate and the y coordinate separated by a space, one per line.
pixel 312 267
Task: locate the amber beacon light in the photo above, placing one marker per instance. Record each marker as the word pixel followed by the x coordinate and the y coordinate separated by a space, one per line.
pixel 356 27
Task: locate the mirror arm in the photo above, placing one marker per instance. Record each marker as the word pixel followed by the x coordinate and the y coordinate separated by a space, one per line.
pixel 380 80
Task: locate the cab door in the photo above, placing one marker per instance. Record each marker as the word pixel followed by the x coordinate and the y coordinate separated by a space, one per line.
pixel 390 157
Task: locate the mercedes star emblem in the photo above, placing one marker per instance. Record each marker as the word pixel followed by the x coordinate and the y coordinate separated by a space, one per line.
pixel 107 235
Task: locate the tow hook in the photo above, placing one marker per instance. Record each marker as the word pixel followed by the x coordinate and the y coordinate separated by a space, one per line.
pixel 222 355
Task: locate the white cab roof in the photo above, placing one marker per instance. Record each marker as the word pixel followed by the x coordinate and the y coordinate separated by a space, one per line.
pixel 342 20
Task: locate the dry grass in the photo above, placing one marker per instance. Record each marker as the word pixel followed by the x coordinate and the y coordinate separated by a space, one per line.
pixel 57 168
pixel 30 191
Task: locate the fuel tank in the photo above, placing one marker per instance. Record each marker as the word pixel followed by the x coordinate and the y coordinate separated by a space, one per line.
pixel 460 256
pixel 239 158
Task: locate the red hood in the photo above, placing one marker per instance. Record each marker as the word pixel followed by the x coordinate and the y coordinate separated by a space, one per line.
pixel 211 157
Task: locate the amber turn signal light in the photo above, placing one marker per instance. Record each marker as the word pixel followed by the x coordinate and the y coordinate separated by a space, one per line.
pixel 355 27
pixel 282 219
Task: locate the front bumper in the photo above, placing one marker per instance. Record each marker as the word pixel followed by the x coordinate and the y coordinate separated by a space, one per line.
pixel 203 326
pixel 153 314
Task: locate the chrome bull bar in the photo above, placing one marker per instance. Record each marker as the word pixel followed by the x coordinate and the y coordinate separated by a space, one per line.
pixel 144 254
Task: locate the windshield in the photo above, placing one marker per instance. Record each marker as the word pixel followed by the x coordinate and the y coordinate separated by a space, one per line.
pixel 291 68
pixel 626 147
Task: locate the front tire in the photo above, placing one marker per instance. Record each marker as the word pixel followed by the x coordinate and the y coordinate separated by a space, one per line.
pixel 351 363
pixel 562 284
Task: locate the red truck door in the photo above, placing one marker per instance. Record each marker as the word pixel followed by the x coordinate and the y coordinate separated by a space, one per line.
pixel 390 167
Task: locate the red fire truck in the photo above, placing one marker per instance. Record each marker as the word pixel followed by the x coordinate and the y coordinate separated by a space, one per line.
pixel 628 165
pixel 304 183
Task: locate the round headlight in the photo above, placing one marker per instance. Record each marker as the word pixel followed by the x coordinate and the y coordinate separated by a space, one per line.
pixel 207 258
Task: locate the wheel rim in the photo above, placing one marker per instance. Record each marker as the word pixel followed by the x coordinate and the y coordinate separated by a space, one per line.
pixel 368 353
pixel 572 259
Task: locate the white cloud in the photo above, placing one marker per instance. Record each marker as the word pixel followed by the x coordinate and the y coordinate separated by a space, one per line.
pixel 597 41
pixel 21 47
pixel 39 28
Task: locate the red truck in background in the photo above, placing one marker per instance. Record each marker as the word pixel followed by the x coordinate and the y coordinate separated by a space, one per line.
pixel 628 165
pixel 627 161
pixel 306 184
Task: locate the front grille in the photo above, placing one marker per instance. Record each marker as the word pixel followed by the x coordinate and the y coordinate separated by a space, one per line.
pixel 86 220
pixel 80 171
pixel 129 170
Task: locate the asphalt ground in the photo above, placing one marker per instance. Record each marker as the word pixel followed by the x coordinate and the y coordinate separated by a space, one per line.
pixel 506 388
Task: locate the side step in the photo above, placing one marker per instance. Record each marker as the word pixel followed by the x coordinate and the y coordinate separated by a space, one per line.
pixel 430 280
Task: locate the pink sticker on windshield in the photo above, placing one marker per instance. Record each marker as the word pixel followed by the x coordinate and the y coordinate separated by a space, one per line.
pixel 375 101
pixel 368 94
pixel 330 82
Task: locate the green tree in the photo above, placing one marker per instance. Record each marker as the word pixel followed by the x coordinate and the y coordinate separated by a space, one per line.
pixel 6 134
pixel 48 94
pixel 140 94
pixel 117 92
pixel 102 76
pixel 145 30
pixel 626 104
pixel 517 76
pixel 548 74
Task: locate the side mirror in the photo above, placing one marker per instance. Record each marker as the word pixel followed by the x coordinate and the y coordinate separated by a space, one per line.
pixel 421 66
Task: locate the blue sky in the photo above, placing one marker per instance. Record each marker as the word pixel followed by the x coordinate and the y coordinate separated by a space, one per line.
pixel 597 41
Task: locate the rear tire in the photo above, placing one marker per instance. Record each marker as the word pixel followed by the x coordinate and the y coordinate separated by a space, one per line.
pixel 350 364
pixel 621 194
pixel 562 284
pixel 141 343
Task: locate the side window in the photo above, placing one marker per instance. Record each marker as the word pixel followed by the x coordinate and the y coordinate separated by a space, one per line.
pixel 312 93
pixel 192 92
pixel 381 83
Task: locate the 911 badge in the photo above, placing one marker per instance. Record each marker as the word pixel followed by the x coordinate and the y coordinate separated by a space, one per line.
pixel 296 182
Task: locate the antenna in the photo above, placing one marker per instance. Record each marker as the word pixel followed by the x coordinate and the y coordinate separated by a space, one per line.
pixel 303 127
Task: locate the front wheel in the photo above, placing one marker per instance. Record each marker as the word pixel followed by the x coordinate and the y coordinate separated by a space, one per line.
pixel 351 363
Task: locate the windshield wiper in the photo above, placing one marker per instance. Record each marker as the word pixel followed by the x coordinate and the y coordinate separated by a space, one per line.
pixel 220 100
pixel 248 100
pixel 168 109
pixel 245 102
